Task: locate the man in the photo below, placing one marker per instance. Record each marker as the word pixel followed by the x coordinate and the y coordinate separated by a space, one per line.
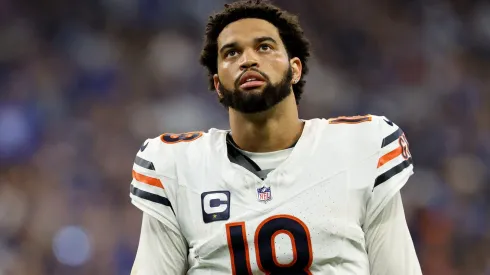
pixel 276 194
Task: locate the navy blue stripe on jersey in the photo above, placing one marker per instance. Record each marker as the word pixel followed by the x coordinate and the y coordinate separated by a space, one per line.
pixel 392 172
pixel 151 197
pixel 392 137
pixel 144 163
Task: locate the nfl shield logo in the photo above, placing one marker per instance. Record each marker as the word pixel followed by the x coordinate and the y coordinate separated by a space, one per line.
pixel 264 194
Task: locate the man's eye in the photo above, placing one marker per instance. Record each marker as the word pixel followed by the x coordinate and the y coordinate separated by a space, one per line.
pixel 264 48
pixel 231 53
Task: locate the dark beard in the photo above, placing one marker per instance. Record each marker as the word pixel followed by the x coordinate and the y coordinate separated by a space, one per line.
pixel 254 102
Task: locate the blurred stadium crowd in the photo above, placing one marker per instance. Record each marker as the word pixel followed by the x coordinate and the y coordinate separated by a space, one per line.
pixel 84 83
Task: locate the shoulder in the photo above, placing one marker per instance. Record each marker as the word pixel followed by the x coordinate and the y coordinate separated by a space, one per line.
pixel 373 130
pixel 162 152
pixel 362 122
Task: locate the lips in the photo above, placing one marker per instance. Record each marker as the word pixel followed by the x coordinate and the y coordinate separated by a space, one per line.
pixel 251 80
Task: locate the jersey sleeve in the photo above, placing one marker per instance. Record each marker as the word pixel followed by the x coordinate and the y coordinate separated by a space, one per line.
pixel 393 168
pixel 389 244
pixel 160 250
pixel 154 185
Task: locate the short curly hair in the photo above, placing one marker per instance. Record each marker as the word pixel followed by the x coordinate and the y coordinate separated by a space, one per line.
pixel 288 25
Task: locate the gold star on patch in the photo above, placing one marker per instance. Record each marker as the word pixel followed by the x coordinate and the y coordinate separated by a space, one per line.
pixel 215 216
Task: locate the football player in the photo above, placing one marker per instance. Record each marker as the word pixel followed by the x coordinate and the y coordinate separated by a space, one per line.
pixel 275 194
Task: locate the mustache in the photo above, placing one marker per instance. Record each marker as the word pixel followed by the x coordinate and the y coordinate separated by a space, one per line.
pixel 237 81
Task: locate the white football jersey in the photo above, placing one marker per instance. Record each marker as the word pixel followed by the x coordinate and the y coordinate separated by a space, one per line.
pixel 307 216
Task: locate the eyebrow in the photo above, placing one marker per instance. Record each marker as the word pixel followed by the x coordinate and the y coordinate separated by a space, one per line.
pixel 263 39
pixel 256 40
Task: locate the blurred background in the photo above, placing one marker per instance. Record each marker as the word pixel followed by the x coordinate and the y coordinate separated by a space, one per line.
pixel 84 83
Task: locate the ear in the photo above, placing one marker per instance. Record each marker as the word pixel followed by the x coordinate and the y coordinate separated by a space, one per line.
pixel 216 85
pixel 297 68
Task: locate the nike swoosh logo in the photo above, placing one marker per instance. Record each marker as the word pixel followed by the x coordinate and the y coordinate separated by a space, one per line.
pixel 143 147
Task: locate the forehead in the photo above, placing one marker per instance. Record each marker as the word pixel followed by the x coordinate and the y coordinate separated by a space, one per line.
pixel 246 30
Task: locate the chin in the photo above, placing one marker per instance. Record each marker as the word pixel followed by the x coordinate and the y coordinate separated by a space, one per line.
pixel 253 90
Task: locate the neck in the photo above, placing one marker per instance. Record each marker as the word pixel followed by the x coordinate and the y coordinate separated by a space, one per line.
pixel 271 130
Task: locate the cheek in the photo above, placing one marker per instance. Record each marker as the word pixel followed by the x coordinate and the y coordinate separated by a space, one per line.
pixel 225 74
pixel 276 67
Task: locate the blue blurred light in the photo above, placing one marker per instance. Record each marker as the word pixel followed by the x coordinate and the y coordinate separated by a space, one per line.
pixel 71 246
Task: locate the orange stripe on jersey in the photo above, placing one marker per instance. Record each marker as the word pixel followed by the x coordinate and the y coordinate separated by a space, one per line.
pixel 147 180
pixel 389 156
pixel 350 119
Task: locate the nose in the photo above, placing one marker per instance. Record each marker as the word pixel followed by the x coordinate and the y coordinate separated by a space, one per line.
pixel 248 60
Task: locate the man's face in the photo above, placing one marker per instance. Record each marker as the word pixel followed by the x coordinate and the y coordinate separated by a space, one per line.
pixel 254 70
